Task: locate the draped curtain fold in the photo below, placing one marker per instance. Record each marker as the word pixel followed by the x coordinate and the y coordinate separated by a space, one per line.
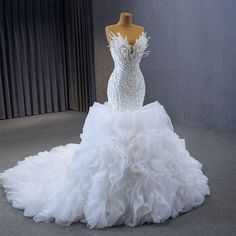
pixel 46 56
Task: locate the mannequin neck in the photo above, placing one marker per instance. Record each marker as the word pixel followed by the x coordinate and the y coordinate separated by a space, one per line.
pixel 125 19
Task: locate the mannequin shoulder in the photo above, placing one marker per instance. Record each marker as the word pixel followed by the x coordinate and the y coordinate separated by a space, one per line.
pixel 117 28
pixel 112 29
pixel 139 27
pixel 132 32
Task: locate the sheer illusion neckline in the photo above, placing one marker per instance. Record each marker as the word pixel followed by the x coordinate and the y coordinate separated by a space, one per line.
pixel 118 35
pixel 120 43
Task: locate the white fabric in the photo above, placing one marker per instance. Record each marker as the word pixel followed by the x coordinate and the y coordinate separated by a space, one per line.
pixel 130 167
pixel 126 87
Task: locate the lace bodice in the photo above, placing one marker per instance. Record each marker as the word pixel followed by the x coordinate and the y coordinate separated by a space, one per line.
pixel 126 86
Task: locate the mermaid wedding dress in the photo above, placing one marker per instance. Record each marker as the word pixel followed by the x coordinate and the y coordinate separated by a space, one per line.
pixel 130 167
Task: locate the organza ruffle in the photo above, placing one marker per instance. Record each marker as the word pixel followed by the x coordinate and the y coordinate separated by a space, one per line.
pixel 130 167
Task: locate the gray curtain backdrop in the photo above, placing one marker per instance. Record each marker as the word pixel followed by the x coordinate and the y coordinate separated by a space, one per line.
pixel 46 57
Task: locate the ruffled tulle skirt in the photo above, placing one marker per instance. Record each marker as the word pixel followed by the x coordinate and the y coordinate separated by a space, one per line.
pixel 130 167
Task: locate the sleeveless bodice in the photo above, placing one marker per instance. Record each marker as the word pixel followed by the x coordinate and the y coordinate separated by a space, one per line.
pixel 126 86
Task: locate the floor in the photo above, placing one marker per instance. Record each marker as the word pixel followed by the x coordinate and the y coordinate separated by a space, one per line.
pixel 214 149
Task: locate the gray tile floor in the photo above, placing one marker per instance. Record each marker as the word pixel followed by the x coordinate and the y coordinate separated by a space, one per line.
pixel 214 149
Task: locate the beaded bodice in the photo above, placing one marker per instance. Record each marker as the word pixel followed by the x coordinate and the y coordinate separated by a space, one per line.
pixel 126 86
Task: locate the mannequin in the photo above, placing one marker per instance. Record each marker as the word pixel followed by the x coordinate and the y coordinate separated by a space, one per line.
pixel 126 28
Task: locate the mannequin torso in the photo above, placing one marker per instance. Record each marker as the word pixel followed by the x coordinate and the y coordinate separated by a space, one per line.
pixel 125 28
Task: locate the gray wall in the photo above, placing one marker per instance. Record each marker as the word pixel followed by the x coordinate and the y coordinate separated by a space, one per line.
pixel 191 69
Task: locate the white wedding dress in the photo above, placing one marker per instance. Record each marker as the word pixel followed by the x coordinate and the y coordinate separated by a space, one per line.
pixel 130 167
